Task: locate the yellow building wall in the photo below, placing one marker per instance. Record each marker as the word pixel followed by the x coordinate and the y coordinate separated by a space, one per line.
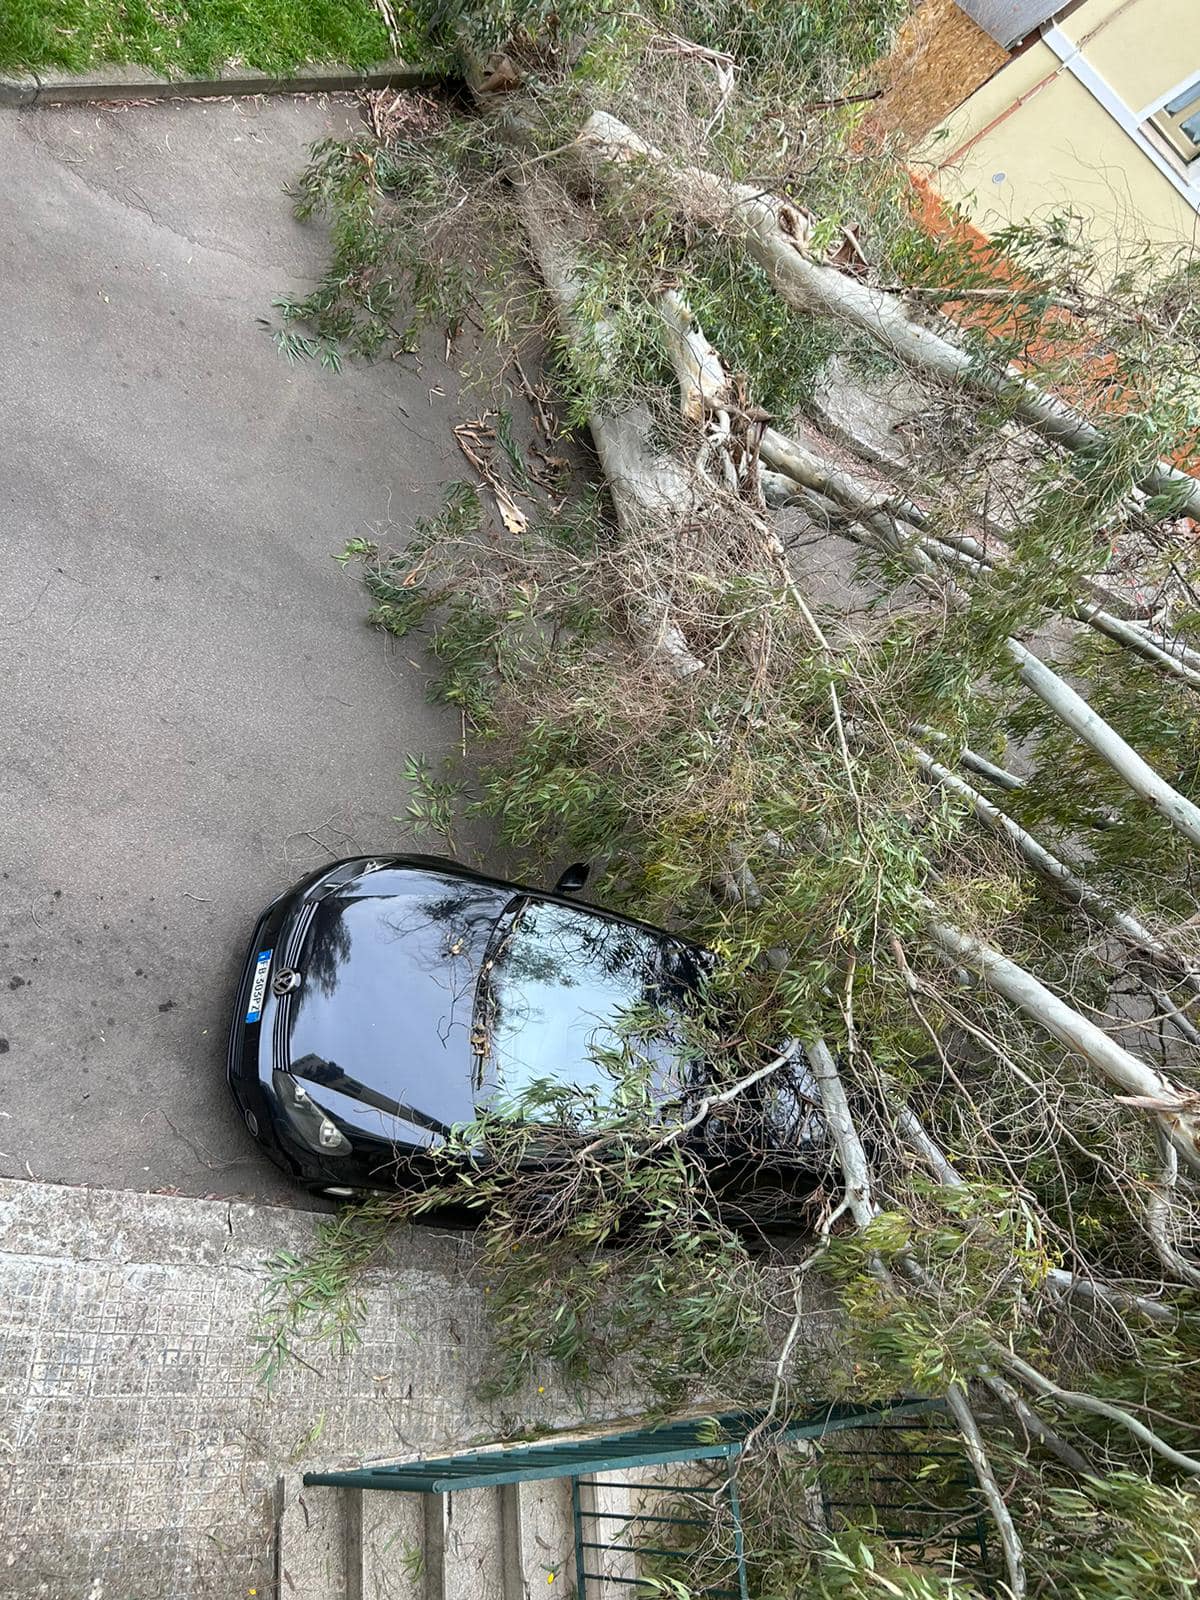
pixel 1142 48
pixel 1032 140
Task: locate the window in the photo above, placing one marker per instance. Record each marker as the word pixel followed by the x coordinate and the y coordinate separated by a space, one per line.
pixel 1177 125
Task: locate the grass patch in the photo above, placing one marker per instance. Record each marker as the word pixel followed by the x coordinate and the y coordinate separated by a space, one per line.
pixel 183 37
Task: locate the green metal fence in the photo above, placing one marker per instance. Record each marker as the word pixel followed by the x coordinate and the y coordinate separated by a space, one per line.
pixel 896 1468
pixel 908 1481
pixel 695 1533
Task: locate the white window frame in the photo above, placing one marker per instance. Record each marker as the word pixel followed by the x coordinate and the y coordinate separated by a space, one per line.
pixel 1190 165
pixel 1184 183
pixel 1193 77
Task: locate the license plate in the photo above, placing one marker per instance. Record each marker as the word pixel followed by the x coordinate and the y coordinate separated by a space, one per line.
pixel 259 987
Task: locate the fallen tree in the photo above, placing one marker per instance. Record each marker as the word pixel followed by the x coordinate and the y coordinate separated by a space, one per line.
pixel 1006 1203
pixel 780 238
pixel 707 393
pixel 878 518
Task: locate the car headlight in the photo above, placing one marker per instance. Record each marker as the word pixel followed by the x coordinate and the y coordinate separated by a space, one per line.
pixel 306 1119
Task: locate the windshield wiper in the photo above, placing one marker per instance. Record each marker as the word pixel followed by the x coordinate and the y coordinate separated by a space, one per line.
pixel 485 1007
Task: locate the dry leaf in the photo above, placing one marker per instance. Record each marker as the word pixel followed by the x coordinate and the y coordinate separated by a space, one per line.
pixel 513 517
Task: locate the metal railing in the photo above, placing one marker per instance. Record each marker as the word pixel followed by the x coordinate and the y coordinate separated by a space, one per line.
pixel 895 1469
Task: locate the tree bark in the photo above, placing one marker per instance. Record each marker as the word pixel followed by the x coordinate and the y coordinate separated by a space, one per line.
pixel 1000 776
pixel 1108 744
pixel 703 382
pixel 1160 1219
pixel 856 1172
pixel 1014 1555
pixel 790 457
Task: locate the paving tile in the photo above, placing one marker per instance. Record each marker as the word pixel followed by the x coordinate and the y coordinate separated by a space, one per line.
pixel 139 1450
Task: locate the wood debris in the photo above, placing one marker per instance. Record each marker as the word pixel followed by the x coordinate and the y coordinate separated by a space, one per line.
pixel 476 441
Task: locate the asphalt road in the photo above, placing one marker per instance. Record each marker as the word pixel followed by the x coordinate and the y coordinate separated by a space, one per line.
pixel 193 711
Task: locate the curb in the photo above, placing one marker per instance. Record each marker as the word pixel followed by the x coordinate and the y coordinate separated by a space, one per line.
pixel 138 83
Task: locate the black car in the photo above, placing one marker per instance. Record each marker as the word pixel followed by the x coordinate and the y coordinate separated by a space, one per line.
pixel 385 999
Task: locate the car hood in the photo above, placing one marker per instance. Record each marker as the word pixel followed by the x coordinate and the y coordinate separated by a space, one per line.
pixel 380 1026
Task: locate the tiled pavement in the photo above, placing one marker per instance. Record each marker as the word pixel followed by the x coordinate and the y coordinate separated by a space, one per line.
pixel 138 1447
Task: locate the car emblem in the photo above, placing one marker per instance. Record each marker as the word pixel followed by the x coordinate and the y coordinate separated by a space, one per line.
pixel 285 981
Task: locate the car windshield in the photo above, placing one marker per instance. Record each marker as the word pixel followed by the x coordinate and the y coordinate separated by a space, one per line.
pixel 566 994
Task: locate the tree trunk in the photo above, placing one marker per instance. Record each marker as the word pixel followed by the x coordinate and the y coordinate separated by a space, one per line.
pixel 644 486
pixel 1125 1072
pixel 1048 864
pixel 777 237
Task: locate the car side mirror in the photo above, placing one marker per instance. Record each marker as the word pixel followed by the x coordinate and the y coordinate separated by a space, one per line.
pixel 573 879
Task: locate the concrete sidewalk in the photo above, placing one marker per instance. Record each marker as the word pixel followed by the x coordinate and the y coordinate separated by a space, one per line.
pixel 138 1449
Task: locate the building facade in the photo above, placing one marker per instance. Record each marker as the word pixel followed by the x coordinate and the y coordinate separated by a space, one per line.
pixel 1016 109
